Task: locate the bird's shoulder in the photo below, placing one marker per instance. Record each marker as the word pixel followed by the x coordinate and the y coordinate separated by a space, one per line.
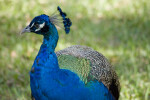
pixel 72 59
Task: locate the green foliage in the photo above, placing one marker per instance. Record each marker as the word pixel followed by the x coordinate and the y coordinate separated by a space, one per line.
pixel 119 29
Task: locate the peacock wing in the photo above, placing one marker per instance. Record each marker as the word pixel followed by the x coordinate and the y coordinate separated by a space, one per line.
pixel 89 65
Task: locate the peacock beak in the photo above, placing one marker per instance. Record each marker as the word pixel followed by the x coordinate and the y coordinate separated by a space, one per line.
pixel 25 30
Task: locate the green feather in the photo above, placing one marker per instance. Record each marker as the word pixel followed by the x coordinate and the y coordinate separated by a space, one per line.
pixel 80 66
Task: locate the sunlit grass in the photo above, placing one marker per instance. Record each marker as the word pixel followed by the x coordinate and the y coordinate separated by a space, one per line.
pixel 119 29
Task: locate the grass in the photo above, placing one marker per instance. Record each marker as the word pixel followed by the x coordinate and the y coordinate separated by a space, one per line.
pixel 119 29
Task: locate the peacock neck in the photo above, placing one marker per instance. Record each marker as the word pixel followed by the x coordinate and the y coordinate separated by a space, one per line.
pixel 49 42
pixel 46 56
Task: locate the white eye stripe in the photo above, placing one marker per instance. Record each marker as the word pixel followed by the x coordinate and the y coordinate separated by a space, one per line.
pixel 32 25
pixel 40 26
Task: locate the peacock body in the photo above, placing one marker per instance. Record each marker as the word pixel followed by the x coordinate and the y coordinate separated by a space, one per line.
pixel 89 65
pixel 75 73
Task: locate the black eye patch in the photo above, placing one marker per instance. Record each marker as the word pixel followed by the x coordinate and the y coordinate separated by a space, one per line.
pixel 45 28
pixel 36 25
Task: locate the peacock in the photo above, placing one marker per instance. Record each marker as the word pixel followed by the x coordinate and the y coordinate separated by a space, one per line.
pixel 75 73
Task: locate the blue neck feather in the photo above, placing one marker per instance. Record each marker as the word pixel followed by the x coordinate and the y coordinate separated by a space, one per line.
pixel 46 56
pixel 50 40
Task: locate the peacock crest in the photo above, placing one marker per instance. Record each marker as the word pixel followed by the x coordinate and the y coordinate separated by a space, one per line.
pixel 58 19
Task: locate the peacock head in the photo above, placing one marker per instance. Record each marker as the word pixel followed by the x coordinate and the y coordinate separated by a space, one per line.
pixel 44 24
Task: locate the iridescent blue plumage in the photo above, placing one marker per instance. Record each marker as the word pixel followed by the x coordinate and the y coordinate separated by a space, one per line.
pixel 47 80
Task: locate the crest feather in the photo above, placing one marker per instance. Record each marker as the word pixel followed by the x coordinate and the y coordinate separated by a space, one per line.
pixel 60 20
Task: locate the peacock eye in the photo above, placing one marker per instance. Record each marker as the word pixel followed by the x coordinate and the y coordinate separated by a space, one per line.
pixel 36 25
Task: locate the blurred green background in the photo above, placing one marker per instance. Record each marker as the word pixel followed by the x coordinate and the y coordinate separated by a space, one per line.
pixel 119 29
